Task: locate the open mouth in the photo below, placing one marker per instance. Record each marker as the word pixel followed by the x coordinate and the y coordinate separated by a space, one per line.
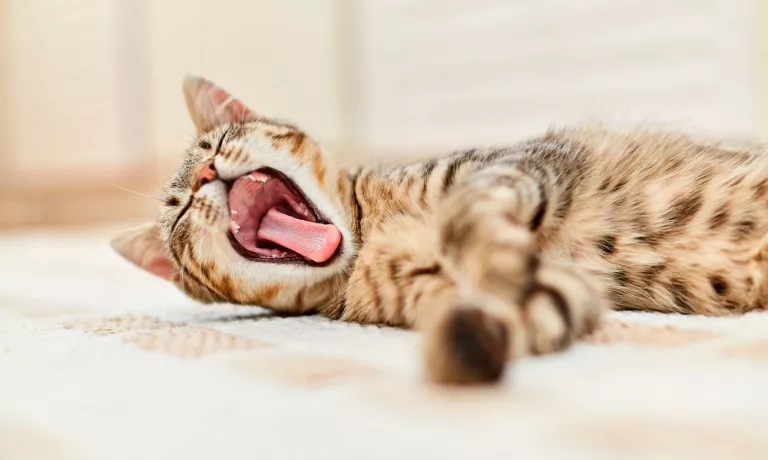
pixel 272 221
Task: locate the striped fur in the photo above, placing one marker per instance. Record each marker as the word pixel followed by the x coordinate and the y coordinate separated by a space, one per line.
pixel 494 253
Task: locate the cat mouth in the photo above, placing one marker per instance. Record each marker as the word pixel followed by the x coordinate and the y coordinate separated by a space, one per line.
pixel 272 221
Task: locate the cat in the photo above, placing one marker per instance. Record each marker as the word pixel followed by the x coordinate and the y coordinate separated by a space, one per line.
pixel 494 253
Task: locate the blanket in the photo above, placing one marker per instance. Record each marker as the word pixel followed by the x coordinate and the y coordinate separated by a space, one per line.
pixel 101 361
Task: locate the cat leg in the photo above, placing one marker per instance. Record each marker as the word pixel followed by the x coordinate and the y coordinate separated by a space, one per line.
pixel 486 237
pixel 399 279
pixel 398 275
pixel 471 280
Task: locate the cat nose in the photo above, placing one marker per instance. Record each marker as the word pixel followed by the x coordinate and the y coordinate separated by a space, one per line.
pixel 202 174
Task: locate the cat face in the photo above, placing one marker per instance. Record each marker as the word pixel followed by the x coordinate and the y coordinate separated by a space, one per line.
pixel 255 214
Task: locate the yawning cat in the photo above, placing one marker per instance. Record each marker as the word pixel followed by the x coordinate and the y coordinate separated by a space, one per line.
pixel 493 253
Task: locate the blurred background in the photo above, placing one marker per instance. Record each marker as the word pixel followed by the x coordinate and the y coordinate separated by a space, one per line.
pixel 91 103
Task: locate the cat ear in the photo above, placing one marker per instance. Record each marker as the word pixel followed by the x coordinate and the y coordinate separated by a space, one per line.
pixel 210 106
pixel 143 247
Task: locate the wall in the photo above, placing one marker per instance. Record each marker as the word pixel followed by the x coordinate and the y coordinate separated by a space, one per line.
pixel 63 94
pixel 441 74
pixel 90 97
pixel 92 102
pixel 278 56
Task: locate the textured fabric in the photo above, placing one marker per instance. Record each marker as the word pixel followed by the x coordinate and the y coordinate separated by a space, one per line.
pixel 99 360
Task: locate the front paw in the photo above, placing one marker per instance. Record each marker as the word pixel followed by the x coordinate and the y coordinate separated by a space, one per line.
pixel 467 346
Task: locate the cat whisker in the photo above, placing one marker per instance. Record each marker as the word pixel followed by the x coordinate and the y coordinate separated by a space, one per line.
pixel 120 187
pixel 190 137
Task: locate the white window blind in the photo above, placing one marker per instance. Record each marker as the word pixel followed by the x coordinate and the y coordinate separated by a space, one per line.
pixel 449 73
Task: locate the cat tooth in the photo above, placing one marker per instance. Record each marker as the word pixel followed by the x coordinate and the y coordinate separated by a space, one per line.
pixel 258 177
pixel 233 212
pixel 234 226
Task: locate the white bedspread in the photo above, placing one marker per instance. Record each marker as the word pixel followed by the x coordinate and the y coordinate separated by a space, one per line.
pixel 101 361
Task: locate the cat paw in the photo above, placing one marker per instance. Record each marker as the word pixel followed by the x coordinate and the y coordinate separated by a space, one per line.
pixel 547 321
pixel 472 343
pixel 560 307
pixel 467 346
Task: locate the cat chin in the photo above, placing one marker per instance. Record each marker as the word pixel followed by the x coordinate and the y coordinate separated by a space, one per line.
pixel 258 274
pixel 212 248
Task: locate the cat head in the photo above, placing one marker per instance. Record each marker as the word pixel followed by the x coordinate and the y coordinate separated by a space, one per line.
pixel 256 214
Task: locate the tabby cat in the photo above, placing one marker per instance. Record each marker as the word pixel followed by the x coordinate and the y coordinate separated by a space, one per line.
pixel 493 253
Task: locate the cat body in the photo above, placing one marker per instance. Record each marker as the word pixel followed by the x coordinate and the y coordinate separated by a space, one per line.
pixel 493 253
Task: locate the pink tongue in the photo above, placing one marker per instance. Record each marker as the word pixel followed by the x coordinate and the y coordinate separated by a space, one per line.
pixel 316 242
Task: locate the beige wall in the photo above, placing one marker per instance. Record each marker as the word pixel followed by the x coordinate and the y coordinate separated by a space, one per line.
pixel 91 92
pixel 94 84
pixel 90 89
pixel 278 56
pixel 63 101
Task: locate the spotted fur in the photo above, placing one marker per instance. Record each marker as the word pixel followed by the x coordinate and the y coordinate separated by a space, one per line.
pixel 494 253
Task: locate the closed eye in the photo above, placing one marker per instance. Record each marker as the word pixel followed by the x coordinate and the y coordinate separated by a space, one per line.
pixel 221 141
pixel 192 197
pixel 181 214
